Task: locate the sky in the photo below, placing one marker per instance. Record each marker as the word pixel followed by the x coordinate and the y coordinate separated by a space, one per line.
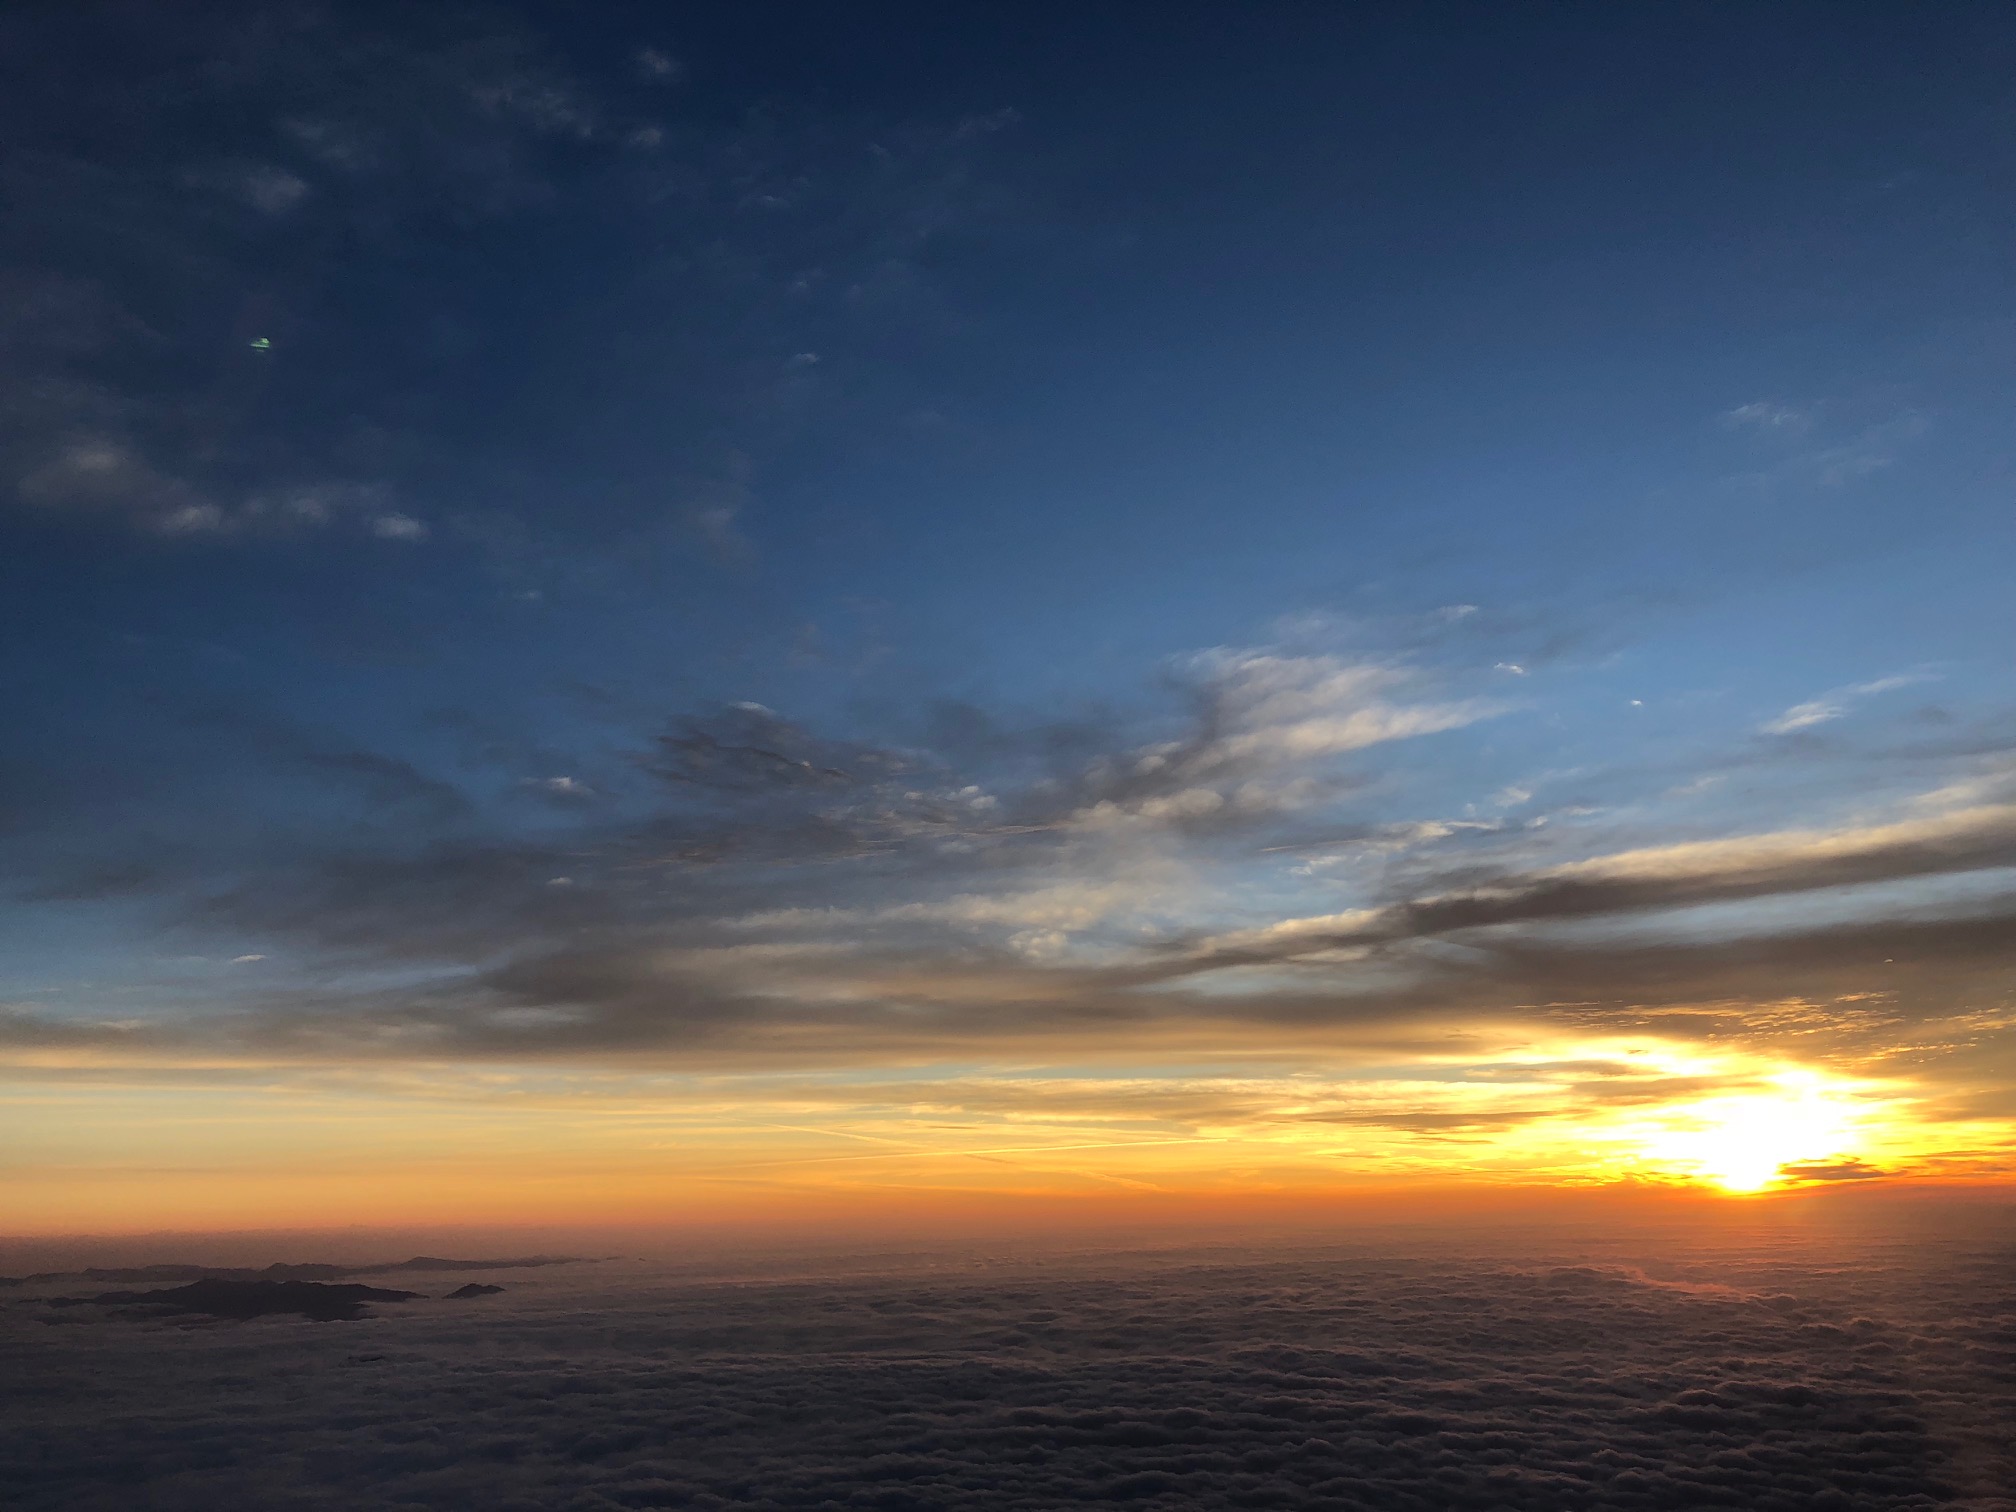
pixel 641 612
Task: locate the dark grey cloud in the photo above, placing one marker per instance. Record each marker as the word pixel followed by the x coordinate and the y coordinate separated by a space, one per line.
pixel 1830 1170
pixel 1740 1371
pixel 748 749
pixel 754 864
pixel 1952 843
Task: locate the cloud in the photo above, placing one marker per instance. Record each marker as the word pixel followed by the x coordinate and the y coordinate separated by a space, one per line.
pixel 101 473
pixel 740 890
pixel 1871 450
pixel 1769 415
pixel 1831 1170
pixel 1635 882
pixel 398 527
pixel 1831 706
pixel 747 749
pixel 104 476
pixel 746 891
pixel 659 67
pixel 265 187
pixel 562 789
pixel 1263 725
pixel 339 134
pixel 1262 704
pixel 1817 450
pixel 1640 1373
pixel 280 301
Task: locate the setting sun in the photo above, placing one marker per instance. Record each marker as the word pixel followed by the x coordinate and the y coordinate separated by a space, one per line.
pixel 1743 1142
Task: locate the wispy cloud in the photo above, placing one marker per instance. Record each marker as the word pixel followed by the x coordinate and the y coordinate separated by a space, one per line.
pixel 1831 706
pixel 1825 446
pixel 1264 722
pixel 1769 415
pixel 793 899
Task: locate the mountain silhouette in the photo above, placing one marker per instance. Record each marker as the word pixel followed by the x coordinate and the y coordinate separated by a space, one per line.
pixel 310 1271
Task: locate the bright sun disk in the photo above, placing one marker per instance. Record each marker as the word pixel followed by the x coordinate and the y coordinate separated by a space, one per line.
pixel 1743 1141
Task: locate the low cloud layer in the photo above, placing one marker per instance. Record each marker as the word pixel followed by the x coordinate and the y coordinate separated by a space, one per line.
pixel 1751 1374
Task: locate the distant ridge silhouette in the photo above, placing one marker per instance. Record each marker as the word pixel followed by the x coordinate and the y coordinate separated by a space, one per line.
pixel 250 1299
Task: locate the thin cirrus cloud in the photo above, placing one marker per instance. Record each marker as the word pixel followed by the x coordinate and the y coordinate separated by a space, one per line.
pixel 1831 706
pixel 1768 415
pixel 1827 445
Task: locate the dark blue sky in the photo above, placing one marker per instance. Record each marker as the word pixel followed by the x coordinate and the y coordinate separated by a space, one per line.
pixel 503 506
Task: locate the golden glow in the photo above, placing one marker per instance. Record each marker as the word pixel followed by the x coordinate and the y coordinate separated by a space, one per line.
pixel 1745 1142
pixel 101 1148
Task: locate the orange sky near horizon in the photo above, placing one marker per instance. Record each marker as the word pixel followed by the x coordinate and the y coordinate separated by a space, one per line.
pixel 104 1149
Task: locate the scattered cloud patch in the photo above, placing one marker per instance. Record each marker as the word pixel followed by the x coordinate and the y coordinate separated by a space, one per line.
pixel 658 66
pixel 1770 416
pixel 398 527
pixel 1831 706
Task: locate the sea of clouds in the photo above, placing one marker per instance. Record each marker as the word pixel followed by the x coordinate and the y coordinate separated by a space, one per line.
pixel 1401 1376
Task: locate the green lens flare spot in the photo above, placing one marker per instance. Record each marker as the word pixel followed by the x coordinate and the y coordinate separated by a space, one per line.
pixel 261 344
